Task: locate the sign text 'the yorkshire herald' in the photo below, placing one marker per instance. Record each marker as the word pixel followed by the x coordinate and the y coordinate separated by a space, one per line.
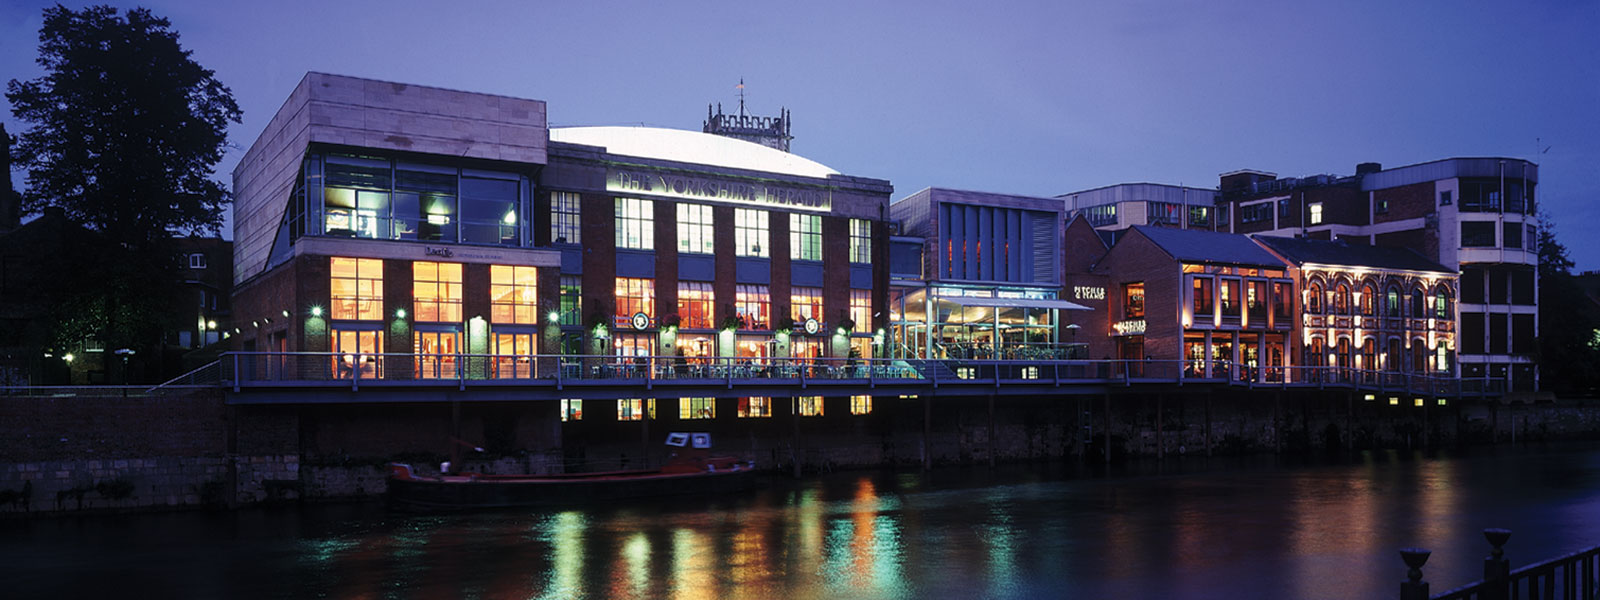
pixel 697 188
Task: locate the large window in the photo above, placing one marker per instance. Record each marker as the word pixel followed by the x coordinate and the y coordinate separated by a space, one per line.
pixel 1282 302
pixel 697 408
pixel 755 407
pixel 633 409
pixel 1341 299
pixel 1314 299
pixel 1164 213
pixel 571 300
pixel 564 220
pixel 860 405
pixel 571 410
pixel 805 236
pixel 1255 213
pixel 860 241
pixel 354 353
pixel 805 303
pixel 694 305
pixel 1391 306
pixel 1202 296
pixel 635 224
pixel 1200 217
pixel 1100 216
pixel 1367 293
pixel 809 406
pixel 357 289
pixel 1477 234
pixel 1255 301
pixel 377 197
pixel 513 294
pixel 694 229
pixel 754 306
pixel 1316 212
pixel 635 295
pixel 861 309
pixel 1133 300
pixel 750 232
pixel 1229 296
pixel 1511 236
pixel 436 289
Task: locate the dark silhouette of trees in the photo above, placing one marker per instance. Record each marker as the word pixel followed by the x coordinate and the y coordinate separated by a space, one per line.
pixel 1569 362
pixel 126 129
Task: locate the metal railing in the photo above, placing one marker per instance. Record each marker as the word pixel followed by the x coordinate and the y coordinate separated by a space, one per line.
pixel 246 369
pixel 1575 576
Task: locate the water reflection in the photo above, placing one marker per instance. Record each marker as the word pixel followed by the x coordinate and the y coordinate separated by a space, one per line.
pixel 1195 531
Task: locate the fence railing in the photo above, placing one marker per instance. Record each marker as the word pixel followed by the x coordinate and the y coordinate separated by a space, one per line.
pixel 244 369
pixel 1575 576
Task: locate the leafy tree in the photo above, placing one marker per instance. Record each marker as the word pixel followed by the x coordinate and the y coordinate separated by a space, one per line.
pixel 126 130
pixel 1568 360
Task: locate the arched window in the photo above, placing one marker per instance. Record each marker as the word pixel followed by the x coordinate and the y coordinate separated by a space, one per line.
pixel 1419 356
pixel 1317 356
pixel 1419 309
pixel 1369 355
pixel 1391 307
pixel 1441 303
pixel 1342 353
pixel 1369 295
pixel 1393 358
pixel 1314 299
pixel 1341 299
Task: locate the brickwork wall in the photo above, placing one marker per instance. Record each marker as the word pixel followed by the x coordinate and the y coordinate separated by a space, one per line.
pixel 1406 202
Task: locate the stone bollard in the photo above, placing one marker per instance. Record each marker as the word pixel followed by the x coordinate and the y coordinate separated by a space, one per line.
pixel 1414 588
pixel 1496 569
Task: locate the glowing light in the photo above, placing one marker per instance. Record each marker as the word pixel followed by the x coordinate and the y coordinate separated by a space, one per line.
pixel 211 324
pixel 438 219
pixel 555 316
pixel 286 313
pixel 1393 401
pixel 316 311
pixel 510 218
pixel 1370 397
pixel 1417 401
pixel 400 313
pixel 66 357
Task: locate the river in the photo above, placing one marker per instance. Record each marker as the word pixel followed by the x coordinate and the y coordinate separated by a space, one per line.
pixel 1185 528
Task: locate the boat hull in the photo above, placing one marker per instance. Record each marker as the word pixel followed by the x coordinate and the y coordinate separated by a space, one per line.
pixel 465 492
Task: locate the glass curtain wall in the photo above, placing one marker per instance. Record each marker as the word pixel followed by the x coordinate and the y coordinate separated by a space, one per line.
pixel 380 197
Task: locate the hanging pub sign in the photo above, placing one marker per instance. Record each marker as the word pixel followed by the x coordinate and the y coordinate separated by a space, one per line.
pixel 640 320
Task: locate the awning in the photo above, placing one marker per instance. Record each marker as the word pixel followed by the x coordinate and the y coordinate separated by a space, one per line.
pixel 1014 302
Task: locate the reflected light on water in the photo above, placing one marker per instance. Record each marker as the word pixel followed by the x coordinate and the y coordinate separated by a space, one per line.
pixel 692 564
pixel 564 534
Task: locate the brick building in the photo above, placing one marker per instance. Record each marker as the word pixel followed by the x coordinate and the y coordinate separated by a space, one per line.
pixel 1472 215
pixel 1114 208
pixel 424 225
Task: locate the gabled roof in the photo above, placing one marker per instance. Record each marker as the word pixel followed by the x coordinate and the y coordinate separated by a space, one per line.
pixel 1200 246
pixel 1303 251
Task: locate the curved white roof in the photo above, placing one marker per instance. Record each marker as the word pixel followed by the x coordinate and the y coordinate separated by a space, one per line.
pixel 691 147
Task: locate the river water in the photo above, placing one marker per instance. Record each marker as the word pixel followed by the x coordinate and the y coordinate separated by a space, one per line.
pixel 1187 528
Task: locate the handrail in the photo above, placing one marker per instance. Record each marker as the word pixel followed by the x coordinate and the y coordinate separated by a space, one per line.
pixel 210 365
pixel 1573 575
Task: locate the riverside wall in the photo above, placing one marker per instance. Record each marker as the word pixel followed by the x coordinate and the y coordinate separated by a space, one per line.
pixel 188 449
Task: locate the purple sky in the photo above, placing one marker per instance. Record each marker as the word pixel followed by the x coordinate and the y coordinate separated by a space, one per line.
pixel 1025 98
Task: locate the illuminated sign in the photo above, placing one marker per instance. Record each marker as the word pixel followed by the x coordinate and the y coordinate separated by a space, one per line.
pixel 1133 327
pixel 640 320
pixel 700 188
pixel 812 326
pixel 1083 292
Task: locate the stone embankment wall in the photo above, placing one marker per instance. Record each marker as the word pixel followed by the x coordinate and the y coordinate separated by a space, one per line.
pixel 187 449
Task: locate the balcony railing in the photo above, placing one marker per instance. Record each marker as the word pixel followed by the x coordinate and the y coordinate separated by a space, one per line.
pixel 268 369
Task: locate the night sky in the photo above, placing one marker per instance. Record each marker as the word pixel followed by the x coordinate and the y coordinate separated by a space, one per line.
pixel 1025 98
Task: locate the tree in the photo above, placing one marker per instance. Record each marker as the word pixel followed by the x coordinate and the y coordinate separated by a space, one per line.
pixel 126 127
pixel 1568 360
pixel 126 130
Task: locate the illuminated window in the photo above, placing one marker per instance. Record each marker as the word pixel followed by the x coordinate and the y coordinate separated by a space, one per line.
pixel 1255 299
pixel 489 208
pixel 697 408
pixel 805 236
pixel 806 303
pixel 1441 303
pixel 356 192
pixel 355 353
pixel 436 290
pixel 861 309
pixel 356 289
pixel 437 352
pixel 1282 301
pixel 571 300
pixel 755 407
pixel 1316 212
pixel 809 406
pixel 635 295
pixel 694 305
pixel 633 409
pixel 1133 300
pixel 513 294
pixel 564 220
pixel 694 229
pixel 635 224
pixel 750 232
pixel 1367 298
pixel 1314 299
pixel 1200 217
pixel 860 405
pixel 754 306
pixel 571 410
pixel 1229 297
pixel 513 354
pixel 1202 297
pixel 1341 299
pixel 860 241
pixel 1392 307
